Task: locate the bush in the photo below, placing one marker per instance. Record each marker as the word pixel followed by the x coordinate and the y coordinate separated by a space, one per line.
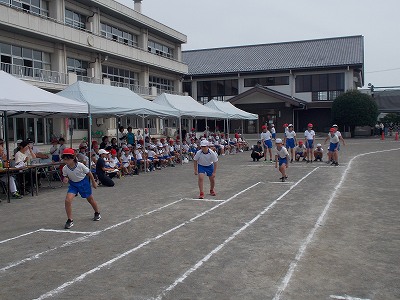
pixel 354 108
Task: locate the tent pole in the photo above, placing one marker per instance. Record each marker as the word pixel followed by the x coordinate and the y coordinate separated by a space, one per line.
pixel 242 126
pixel 180 139
pixel 117 129
pixel 8 155
pixel 89 134
pixel 144 149
pixel 206 128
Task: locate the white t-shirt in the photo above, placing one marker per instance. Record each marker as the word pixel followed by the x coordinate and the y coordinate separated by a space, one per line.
pixel 113 162
pixel 206 159
pixel 319 150
pixel 78 173
pixel 309 135
pixel 273 130
pixel 282 153
pixel 333 139
pixel 20 159
pixel 138 154
pixel 125 158
pixel 290 134
pixel 299 149
pixel 338 133
pixel 54 150
pixel 266 136
pixel 62 148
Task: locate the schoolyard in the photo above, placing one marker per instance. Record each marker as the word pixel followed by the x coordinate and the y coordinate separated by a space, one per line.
pixel 327 233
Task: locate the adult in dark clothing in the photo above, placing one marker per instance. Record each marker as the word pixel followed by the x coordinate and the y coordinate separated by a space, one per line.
pixel 101 169
pixel 104 142
pixel 257 152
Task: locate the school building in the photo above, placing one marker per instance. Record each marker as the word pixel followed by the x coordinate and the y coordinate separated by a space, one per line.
pixel 53 43
pixel 291 82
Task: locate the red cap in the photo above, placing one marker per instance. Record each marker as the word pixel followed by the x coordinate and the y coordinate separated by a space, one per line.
pixel 141 142
pixel 300 142
pixel 193 129
pixel 263 127
pixel 332 130
pixel 171 141
pixel 285 125
pixel 113 151
pixel 309 125
pixel 69 151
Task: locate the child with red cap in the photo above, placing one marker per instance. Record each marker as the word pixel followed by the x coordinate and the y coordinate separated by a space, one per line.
pixel 333 146
pixel 309 136
pixel 78 176
pixel 300 151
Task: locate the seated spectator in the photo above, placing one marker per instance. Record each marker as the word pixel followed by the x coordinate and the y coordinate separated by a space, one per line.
pixel 17 148
pixel 104 142
pixel 318 153
pixel 113 163
pixel 62 146
pixel 126 161
pixel 114 144
pixel 3 177
pixel 101 169
pixel 300 151
pixel 257 152
pixel 36 151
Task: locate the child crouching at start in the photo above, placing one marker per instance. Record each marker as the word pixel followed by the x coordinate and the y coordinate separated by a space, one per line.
pixel 77 174
pixel 281 157
pixel 205 162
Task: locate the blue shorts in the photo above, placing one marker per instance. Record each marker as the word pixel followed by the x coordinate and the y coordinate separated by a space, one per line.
pixel 268 144
pixel 82 187
pixel 151 158
pixel 282 161
pixel 274 135
pixel 310 144
pixel 333 147
pixel 55 158
pixel 301 154
pixel 206 169
pixel 290 143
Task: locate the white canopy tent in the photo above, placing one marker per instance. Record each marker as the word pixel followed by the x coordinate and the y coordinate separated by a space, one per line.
pixel 231 110
pixel 109 100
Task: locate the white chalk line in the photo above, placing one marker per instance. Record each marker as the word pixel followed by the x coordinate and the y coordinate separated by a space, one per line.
pixel 281 182
pixel 230 238
pixel 205 200
pixel 318 223
pixel 68 231
pixel 346 297
pixel 19 236
pixel 80 239
pixel 122 255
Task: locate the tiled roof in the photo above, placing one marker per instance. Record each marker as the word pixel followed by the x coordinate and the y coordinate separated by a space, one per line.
pixel 330 52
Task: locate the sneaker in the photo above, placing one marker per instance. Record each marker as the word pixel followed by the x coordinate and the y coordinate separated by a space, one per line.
pixel 69 224
pixel 271 161
pixel 97 216
pixel 212 193
pixel 291 160
pixel 282 179
pixel 16 195
pixel 201 196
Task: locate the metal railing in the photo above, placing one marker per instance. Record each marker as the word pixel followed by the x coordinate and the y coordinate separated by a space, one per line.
pixel 35 73
pixel 141 90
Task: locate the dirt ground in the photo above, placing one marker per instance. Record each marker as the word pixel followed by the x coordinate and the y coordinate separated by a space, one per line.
pixel 327 233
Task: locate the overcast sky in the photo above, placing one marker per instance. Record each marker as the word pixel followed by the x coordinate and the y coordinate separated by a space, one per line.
pixel 224 23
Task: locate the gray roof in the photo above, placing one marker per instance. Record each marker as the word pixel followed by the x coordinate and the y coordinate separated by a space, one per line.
pixel 388 101
pixel 322 53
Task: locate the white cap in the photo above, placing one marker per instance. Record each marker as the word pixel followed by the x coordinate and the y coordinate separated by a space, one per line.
pixel 102 151
pixel 334 125
pixel 319 145
pixel 204 143
pixel 19 142
pixel 278 141
pixel 290 125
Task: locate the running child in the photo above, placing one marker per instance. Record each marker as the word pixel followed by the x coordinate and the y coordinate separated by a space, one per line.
pixel 290 140
pixel 205 162
pixel 309 136
pixel 333 146
pixel 78 176
pixel 281 158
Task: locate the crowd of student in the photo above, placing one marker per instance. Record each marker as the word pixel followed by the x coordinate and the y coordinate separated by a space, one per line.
pixel 295 149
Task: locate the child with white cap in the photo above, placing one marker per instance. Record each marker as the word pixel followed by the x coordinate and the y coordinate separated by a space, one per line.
pixel 318 153
pixel 281 158
pixel 205 162
pixel 333 146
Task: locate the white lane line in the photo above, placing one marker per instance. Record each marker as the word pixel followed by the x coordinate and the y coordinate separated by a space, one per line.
pixel 280 182
pixel 67 231
pixel 319 222
pixel 218 248
pixel 346 297
pixel 82 238
pixel 206 200
pixel 108 263
pixel 19 236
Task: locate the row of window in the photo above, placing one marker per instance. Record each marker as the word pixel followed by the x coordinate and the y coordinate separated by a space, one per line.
pixel 159 49
pixel 120 75
pixel 161 83
pixel 37 7
pixel 75 19
pixel 320 82
pixel 266 81
pixel 216 88
pixel 118 35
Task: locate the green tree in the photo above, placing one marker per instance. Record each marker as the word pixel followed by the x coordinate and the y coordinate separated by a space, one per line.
pixel 391 118
pixel 354 108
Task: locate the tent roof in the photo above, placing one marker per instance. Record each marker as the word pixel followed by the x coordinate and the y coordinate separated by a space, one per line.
pixel 188 107
pixel 19 96
pixel 108 100
pixel 231 110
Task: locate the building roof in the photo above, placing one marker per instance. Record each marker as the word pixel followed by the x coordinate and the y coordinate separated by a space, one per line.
pixel 388 101
pixel 321 53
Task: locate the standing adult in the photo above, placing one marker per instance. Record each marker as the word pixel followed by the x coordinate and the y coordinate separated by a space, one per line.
pixel 121 135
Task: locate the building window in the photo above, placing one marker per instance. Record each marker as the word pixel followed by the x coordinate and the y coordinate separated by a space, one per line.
pixel 266 81
pixel 120 77
pixel 80 123
pixel 75 19
pixel 160 49
pixel 37 7
pixel 216 89
pixel 161 83
pixel 321 84
pixel 118 35
pixel 78 66
pixel 23 61
pixel 187 88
